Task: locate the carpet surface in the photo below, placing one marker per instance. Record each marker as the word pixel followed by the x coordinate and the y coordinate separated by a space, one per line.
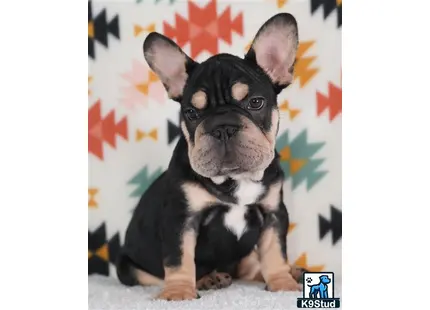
pixel 106 293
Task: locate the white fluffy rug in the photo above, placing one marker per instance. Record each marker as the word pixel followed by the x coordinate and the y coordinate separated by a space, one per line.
pixel 108 294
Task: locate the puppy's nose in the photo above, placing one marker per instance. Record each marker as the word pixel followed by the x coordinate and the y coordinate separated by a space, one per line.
pixel 224 132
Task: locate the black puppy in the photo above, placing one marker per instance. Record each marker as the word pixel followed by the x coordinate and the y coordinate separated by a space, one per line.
pixel 218 211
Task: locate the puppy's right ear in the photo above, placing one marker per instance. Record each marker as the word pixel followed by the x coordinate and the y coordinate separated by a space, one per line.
pixel 169 62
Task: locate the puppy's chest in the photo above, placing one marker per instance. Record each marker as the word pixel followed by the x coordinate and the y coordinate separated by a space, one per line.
pixel 238 216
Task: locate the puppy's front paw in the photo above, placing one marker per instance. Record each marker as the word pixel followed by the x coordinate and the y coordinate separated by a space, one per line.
pixel 283 283
pixel 178 292
pixel 214 281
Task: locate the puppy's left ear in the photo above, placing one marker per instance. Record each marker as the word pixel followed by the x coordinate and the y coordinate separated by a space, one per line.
pixel 274 48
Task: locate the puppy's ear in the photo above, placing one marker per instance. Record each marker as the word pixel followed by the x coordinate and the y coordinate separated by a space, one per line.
pixel 274 48
pixel 169 62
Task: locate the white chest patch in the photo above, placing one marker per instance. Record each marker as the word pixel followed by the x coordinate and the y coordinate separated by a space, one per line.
pixel 247 193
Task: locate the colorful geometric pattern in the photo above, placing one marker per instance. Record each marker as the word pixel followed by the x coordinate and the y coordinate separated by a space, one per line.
pixel 303 70
pixel 328 7
pixel 302 262
pixel 101 251
pixel 143 180
pixel 99 29
pixel 173 130
pixel 297 161
pixel 285 106
pixel 332 102
pixel 133 126
pixel 153 134
pixel 142 85
pixel 204 28
pixel 104 130
pixel 139 29
pixel 333 225
pixel 92 192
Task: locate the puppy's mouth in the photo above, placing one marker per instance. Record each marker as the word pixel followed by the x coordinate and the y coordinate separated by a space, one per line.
pixel 240 148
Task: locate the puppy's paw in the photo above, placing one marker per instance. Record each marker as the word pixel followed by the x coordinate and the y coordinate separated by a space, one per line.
pixel 178 292
pixel 214 281
pixel 283 283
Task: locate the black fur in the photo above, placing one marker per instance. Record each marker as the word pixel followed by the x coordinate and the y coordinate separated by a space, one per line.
pixel 159 220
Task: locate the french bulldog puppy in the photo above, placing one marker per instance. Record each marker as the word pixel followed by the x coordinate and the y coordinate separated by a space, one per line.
pixel 217 212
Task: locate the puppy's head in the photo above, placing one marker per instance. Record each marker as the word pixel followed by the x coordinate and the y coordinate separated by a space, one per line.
pixel 229 109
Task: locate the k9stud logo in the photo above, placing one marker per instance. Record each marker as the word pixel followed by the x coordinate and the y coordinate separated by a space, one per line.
pixel 318 291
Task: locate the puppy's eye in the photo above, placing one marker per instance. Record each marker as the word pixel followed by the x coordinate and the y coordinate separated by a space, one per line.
pixel 256 103
pixel 191 114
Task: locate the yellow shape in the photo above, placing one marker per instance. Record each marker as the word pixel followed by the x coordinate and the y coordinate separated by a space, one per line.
pixel 90 79
pixel 285 106
pixel 293 113
pixel 296 165
pixel 153 134
pixel 92 203
pixel 103 252
pixel 302 70
pixel 91 30
pixel 141 134
pixel 281 3
pixel 291 227
pixel 285 153
pixel 338 2
pixel 138 29
pixel 302 262
pixel 143 88
pixel 152 77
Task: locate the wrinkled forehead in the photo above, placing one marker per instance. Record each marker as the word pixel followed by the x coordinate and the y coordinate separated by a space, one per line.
pixel 218 75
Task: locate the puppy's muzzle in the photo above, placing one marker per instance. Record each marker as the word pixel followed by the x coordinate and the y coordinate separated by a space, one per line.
pixel 224 132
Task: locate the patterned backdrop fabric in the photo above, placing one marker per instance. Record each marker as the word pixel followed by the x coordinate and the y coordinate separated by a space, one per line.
pixel 133 126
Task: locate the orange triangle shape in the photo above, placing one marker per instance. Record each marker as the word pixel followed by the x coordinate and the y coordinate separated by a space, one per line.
pixel 91 30
pixel 137 30
pixel 291 227
pixel 302 262
pixel 285 153
pixel 296 165
pixel 294 113
pixel 139 135
pixel 153 134
pixel 103 252
pixel 281 3
pixel 152 77
pixel 143 88
pixel 284 106
pixel 90 254
pixel 151 28
pixel 92 203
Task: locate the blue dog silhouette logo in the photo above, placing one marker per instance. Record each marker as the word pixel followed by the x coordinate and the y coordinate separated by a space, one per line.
pixel 319 290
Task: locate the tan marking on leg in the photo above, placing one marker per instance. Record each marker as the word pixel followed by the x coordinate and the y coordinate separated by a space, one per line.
pixel 274 268
pixel 145 278
pixel 249 268
pixel 239 91
pixel 271 201
pixel 180 282
pixel 199 100
pixel 198 198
